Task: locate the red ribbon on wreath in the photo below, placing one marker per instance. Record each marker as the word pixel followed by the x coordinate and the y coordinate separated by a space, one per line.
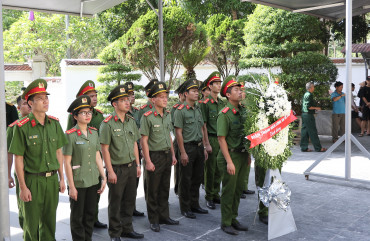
pixel 265 134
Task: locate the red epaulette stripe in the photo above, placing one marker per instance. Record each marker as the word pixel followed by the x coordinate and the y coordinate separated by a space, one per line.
pixel 187 107
pixel 15 122
pixel 148 113
pixel 23 121
pixel 212 101
pixel 108 118
pixel 101 112
pixel 71 130
pixel 206 101
pixel 176 105
pixel 93 128
pixel 52 117
pixel 234 111
pixel 226 109
pixel 143 106
pixel 200 101
pixel 180 107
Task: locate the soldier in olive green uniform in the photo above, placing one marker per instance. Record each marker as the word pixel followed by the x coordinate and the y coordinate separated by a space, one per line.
pixel 37 145
pixel 118 138
pixel 180 92
pixel 134 112
pixel 155 127
pixel 205 90
pixel 189 135
pixel 24 111
pixel 233 157
pixel 88 88
pixel 83 164
pixel 210 108
pixel 149 105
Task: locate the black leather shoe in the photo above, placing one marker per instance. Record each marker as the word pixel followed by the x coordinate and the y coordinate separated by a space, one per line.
pixel 155 227
pixel 189 214
pixel 211 205
pixel 199 210
pixel 243 196
pixel 116 239
pixel 169 221
pixel 133 235
pixel 229 230
pixel 239 227
pixel 217 200
pixel 98 224
pixel 248 191
pixel 264 219
pixel 137 213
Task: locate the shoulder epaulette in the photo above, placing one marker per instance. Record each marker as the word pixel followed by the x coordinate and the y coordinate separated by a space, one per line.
pixel 101 112
pixel 9 103
pixel 143 106
pixel 15 122
pixel 206 101
pixel 224 110
pixel 135 108
pixel 93 128
pixel 108 118
pixel 148 113
pixel 52 117
pixel 180 107
pixel 23 121
pixel 176 105
pixel 71 131
pixel 200 101
pixel 130 116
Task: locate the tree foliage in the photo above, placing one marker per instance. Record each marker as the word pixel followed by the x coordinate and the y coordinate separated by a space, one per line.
pixel 360 29
pixel 10 16
pixel 46 35
pixel 226 39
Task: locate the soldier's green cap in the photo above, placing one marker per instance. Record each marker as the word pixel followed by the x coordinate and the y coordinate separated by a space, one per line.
pixel 191 83
pixel 159 87
pixel 241 82
pixel 80 102
pixel 117 92
pixel 230 81
pixel 89 85
pixel 203 86
pixel 36 87
pixel 130 86
pixel 150 85
pixel 180 89
pixel 213 77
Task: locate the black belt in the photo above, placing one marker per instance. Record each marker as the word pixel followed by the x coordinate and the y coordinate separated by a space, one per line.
pixel 211 134
pixel 43 174
pixel 194 143
pixel 164 151
pixel 238 150
pixel 124 165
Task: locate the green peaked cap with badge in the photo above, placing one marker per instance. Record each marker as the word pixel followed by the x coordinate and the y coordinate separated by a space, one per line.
pixel 190 84
pixel 130 86
pixel 158 88
pixel 150 85
pixel 35 87
pixel 227 83
pixel 213 77
pixel 117 92
pixel 80 102
pixel 180 89
pixel 89 85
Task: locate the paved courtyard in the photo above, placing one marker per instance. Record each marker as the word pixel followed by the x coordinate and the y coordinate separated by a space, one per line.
pixel 324 209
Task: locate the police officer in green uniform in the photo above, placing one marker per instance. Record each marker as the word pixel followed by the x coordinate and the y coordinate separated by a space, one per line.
pixel 205 90
pixel 155 128
pixel 210 109
pixel 88 88
pixel 24 110
pixel 149 105
pixel 232 159
pixel 134 113
pixel 83 164
pixel 189 135
pixel 180 92
pixel 118 138
pixel 37 145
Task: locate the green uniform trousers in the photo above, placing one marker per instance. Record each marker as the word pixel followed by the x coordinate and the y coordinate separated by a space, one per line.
pixel 232 185
pixel 246 181
pixel 40 213
pixel 309 131
pixel 121 198
pixel 19 202
pixel 212 175
pixel 176 168
pixel 158 186
pixel 191 177
pixel 83 213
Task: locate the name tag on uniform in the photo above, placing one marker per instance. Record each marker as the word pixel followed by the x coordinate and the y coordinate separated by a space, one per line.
pixel 80 142
pixel 117 130
pixel 33 137
pixel 157 125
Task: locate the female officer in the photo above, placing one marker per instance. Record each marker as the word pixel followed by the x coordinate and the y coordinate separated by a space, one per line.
pixel 83 164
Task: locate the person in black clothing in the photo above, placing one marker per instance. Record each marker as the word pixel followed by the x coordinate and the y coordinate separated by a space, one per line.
pixel 364 95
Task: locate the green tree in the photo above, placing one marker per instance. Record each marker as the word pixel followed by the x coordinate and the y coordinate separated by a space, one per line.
pixel 13 90
pixel 140 45
pixel 225 39
pixel 10 16
pixel 203 10
pixel 46 36
pixel 360 29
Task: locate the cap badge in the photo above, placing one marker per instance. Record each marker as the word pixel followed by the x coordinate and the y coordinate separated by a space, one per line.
pixel 91 84
pixel 217 75
pixel 41 85
pixel 160 86
pixel 122 90
pixel 84 100
pixel 129 86
pixel 194 81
